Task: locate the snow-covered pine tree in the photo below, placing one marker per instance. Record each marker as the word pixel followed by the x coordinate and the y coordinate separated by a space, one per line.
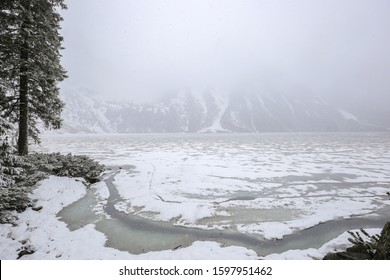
pixel 30 67
pixel 5 135
pixel 6 156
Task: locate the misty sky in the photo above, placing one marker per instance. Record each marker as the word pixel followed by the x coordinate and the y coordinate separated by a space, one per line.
pixel 140 49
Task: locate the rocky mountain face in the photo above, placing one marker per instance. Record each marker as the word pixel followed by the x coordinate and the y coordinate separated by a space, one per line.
pixel 210 111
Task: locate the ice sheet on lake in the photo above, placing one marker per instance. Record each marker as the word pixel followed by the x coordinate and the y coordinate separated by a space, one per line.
pixel 264 184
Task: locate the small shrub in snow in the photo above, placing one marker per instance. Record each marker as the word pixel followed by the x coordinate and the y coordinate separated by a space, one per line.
pixel 19 175
pixel 367 244
pixel 65 165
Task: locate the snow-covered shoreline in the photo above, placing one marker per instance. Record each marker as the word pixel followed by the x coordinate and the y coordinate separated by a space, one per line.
pixel 42 232
pixel 50 238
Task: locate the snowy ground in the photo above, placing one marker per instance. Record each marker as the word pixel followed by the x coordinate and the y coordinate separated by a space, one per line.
pixel 266 185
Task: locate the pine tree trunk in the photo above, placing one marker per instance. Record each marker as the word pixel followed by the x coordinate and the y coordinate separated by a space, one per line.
pixel 23 102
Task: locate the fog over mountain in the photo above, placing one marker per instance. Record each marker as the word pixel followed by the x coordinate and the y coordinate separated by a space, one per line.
pixel 213 110
pixel 140 50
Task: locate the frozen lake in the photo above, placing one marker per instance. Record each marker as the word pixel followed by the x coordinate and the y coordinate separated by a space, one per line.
pixel 264 186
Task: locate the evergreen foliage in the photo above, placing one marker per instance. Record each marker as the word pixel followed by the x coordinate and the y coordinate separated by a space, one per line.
pixel 6 156
pixel 30 71
pixel 367 244
pixel 21 176
pixel 30 68
pixel 370 245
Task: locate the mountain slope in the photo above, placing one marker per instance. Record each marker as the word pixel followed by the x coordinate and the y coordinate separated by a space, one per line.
pixel 210 111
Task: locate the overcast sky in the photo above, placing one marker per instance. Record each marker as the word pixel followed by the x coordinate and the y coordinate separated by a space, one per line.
pixel 140 49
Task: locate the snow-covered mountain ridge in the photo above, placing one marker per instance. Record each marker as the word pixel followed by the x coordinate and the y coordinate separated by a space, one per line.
pixel 210 111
